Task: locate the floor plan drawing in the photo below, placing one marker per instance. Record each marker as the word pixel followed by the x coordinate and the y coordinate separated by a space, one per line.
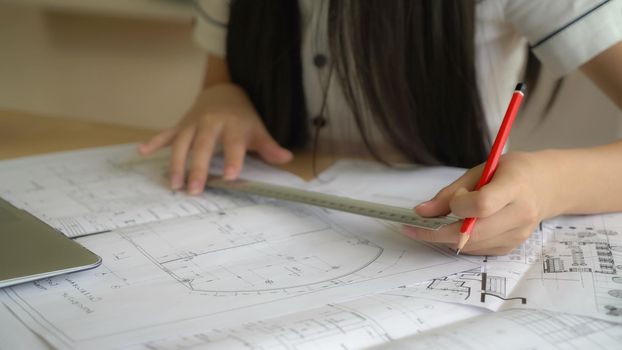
pixel 572 263
pixel 581 257
pixel 271 261
pixel 568 264
pixel 526 328
pixel 250 262
pixel 454 287
pixel 99 190
pixel 463 286
pixel 399 320
pixel 354 324
pixel 232 271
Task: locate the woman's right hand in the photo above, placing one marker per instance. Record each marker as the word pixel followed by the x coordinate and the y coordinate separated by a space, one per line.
pixel 224 114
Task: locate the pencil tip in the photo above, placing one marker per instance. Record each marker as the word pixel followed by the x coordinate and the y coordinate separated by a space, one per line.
pixel 464 238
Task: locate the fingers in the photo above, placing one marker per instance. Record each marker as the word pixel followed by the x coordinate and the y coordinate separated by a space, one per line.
pixel 270 150
pixel 201 155
pixel 485 202
pixel 446 234
pixel 439 205
pixel 235 149
pixel 508 209
pixel 178 157
pixel 197 142
pixel 489 246
pixel 504 230
pixel 224 113
pixel 160 140
pixel 507 219
pixel 495 246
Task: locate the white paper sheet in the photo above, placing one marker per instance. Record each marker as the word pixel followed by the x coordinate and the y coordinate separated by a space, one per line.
pixel 518 329
pixel 215 269
pixel 354 324
pixel 570 264
pixel 372 181
pixel 101 189
pixel 245 260
pixel 245 272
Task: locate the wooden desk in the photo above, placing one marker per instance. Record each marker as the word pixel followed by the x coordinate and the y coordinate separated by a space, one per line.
pixel 24 134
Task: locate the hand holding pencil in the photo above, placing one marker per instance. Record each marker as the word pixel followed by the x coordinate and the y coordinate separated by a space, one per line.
pixel 493 158
pixel 507 207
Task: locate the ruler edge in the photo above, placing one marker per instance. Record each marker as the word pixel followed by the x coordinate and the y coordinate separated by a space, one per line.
pixel 217 182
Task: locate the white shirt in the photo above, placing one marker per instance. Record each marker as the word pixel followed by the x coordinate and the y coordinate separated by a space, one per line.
pixel 563 35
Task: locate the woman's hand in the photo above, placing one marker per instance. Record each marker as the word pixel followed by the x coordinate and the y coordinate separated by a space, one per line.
pixel 522 192
pixel 222 114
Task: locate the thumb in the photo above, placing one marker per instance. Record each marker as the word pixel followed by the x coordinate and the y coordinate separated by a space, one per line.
pixel 270 150
pixel 439 205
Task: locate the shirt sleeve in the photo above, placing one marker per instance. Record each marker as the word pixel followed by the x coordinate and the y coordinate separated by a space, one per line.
pixel 566 34
pixel 210 31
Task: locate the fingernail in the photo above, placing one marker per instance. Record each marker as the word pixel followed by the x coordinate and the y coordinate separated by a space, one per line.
pixel 142 148
pixel 176 182
pixel 289 155
pixel 423 204
pixel 409 231
pixel 230 173
pixel 194 187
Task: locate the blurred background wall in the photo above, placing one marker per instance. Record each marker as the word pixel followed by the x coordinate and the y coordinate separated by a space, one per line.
pixel 129 62
pixel 134 63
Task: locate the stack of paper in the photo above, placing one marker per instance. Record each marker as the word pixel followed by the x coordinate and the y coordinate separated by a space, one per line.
pixel 233 271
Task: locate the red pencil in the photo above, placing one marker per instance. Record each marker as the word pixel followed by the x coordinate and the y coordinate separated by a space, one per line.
pixel 493 157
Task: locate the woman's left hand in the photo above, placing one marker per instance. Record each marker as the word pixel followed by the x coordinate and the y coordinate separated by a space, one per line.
pixel 521 194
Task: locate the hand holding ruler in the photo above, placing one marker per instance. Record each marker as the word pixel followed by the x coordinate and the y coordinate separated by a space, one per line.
pixel 376 210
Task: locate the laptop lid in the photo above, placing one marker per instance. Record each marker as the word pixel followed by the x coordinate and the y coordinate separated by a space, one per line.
pixel 31 250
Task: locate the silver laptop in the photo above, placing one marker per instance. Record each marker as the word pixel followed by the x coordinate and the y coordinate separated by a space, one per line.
pixel 31 250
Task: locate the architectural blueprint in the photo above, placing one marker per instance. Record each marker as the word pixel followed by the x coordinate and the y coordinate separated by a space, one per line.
pixel 569 264
pixel 580 262
pixel 401 186
pixel 98 190
pixel 562 267
pixel 244 260
pixel 353 324
pixel 225 271
pixel 518 329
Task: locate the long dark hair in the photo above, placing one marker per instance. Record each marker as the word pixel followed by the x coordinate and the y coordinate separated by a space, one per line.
pixel 411 64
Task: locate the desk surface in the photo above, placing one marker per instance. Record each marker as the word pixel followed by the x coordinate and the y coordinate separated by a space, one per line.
pixel 23 134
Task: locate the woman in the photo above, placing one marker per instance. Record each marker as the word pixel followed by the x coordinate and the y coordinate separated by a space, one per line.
pixel 418 81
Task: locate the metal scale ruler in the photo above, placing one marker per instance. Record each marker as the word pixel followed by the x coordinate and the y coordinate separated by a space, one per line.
pixel 355 206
